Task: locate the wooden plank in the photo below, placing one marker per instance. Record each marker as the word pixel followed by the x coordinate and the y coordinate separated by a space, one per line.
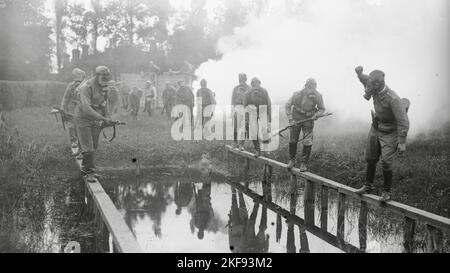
pixel 437 221
pixel 309 201
pixel 408 235
pixel 124 240
pixel 341 218
pixel 362 226
pixel 324 208
pixel 325 236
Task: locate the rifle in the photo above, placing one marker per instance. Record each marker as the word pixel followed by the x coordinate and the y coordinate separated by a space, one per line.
pixel 298 123
pixel 111 124
pixel 64 115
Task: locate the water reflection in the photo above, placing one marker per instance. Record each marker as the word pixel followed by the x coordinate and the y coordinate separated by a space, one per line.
pixel 221 215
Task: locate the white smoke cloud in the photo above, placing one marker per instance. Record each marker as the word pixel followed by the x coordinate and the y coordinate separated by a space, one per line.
pixel 408 39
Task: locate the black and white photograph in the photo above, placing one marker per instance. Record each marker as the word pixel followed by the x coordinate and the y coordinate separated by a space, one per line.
pixel 242 128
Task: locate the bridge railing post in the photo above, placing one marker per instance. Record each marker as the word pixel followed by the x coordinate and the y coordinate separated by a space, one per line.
pixel 324 208
pixel 362 226
pixel 408 235
pixel 435 240
pixel 341 218
pixel 309 202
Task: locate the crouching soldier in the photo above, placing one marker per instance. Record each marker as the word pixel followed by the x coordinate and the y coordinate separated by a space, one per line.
pixel 258 97
pixel 304 104
pixel 134 102
pixel 90 115
pixel 70 101
pixel 389 129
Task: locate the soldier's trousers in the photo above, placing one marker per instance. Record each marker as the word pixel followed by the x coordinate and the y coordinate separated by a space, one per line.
pixel 307 134
pixel 88 136
pixel 72 132
pixel 381 145
pixel 236 129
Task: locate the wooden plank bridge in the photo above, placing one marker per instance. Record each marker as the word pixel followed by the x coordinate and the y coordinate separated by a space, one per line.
pixel 436 225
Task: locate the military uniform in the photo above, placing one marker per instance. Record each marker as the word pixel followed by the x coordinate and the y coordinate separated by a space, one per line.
pixel 186 97
pixel 169 99
pixel 258 97
pixel 134 101
pixel 124 93
pixel 208 98
pixel 389 128
pixel 238 98
pixel 69 102
pixel 149 96
pixel 88 124
pixel 302 105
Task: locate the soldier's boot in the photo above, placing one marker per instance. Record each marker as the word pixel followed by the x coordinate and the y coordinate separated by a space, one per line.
pixel 386 194
pixel 87 167
pixel 306 153
pixel 370 176
pixel 292 154
pixel 257 148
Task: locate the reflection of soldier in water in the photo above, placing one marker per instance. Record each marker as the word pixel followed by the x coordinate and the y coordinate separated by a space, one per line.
pixel 183 195
pixel 290 243
pixel 241 229
pixel 203 209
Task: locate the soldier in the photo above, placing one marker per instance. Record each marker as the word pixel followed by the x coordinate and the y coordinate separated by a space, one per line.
pixel 185 96
pixel 207 98
pixel 237 99
pixel 258 97
pixel 304 104
pixel 113 98
pixel 90 114
pixel 70 101
pixel 203 209
pixel 124 93
pixel 183 195
pixel 389 129
pixel 169 98
pixel 149 97
pixel 134 101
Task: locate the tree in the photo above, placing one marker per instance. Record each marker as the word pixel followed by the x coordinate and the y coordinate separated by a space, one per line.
pixel 78 24
pixel 25 44
pixel 60 7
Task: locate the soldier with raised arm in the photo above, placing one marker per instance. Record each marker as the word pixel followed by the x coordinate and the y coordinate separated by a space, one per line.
pixel 388 132
pixel 304 104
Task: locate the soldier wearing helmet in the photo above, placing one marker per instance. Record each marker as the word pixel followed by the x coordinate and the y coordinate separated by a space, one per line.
pixel 238 98
pixel 206 97
pixel 90 114
pixel 304 104
pixel 149 97
pixel 390 125
pixel 169 98
pixel 70 100
pixel 258 97
pixel 185 96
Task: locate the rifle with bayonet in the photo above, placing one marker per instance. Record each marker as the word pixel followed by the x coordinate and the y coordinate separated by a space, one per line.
pixel 300 122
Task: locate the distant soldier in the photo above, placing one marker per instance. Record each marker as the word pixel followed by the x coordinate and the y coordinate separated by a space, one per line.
pixel 304 104
pixel 389 129
pixel 90 114
pixel 149 97
pixel 185 96
pixel 113 98
pixel 70 101
pixel 207 98
pixel 238 98
pixel 169 98
pixel 134 101
pixel 258 97
pixel 124 93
